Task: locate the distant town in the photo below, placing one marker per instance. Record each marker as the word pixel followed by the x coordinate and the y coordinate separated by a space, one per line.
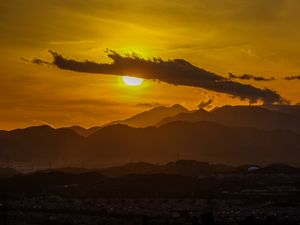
pixel 179 192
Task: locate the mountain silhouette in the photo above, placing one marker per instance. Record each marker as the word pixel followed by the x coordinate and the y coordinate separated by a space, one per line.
pixel 152 116
pixel 84 131
pixel 119 144
pixel 205 141
pixel 39 144
pixel 143 119
pixel 284 117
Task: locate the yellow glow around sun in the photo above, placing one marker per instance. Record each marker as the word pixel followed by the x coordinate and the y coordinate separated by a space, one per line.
pixel 132 81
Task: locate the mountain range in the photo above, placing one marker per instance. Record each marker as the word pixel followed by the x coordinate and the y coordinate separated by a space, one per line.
pixel 245 116
pixel 152 116
pixel 230 134
pixel 143 119
pixel 285 117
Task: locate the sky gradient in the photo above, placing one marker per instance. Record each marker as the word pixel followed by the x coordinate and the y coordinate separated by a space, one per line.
pixel 249 39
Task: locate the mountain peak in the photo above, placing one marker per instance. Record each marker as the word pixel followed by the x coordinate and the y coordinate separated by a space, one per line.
pixel 178 107
pixel 152 116
pixel 85 132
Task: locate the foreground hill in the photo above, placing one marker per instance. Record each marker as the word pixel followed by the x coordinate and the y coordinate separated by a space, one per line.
pixel 119 144
pixel 180 167
pixel 54 181
pixel 275 179
pixel 191 168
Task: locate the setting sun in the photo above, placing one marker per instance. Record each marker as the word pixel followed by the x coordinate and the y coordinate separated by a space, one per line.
pixel 132 81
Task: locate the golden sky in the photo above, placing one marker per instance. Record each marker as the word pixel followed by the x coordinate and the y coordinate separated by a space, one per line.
pixel 258 37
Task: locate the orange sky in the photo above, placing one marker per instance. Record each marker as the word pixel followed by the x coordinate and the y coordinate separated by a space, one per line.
pixel 253 37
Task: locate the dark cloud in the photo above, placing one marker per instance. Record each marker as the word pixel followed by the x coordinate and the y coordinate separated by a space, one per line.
pixel 37 61
pixel 292 78
pixel 41 62
pixel 25 60
pixel 177 72
pixel 249 77
pixel 206 104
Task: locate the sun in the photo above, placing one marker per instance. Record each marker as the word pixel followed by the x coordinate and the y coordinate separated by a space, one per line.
pixel 132 81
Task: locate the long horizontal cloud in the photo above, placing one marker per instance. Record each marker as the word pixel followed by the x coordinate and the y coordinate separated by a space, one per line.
pixel 292 78
pixel 250 77
pixel 177 72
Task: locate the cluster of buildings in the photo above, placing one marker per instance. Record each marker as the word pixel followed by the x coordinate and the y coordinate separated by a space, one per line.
pixel 55 210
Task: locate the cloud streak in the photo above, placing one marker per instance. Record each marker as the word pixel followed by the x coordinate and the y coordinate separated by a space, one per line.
pixel 249 77
pixel 37 61
pixel 292 78
pixel 176 72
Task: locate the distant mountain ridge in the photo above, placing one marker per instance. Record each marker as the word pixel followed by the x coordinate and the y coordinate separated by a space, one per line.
pixel 84 131
pixel 264 117
pixel 151 117
pixel 143 119
pixel 284 117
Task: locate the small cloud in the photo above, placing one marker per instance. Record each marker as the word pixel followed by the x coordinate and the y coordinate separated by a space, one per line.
pixel 250 77
pixel 206 104
pixel 292 78
pixel 25 60
pixel 37 61
pixel 41 62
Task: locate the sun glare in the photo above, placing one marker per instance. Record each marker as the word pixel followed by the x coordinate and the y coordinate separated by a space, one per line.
pixel 132 81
